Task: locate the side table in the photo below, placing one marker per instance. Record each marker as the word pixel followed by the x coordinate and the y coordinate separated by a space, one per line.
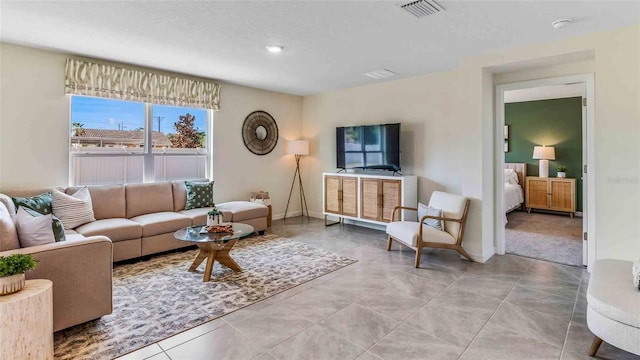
pixel 26 322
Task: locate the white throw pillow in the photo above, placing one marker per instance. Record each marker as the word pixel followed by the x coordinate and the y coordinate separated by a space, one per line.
pixel 427 210
pixel 510 177
pixel 73 210
pixel 33 230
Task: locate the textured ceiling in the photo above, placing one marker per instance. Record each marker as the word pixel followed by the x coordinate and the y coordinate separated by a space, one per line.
pixel 328 44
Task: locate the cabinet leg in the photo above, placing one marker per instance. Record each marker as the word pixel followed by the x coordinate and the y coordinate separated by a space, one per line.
pixel 571 215
pixel 529 210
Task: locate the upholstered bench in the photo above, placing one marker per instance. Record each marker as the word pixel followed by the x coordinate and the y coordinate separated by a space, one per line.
pixel 613 311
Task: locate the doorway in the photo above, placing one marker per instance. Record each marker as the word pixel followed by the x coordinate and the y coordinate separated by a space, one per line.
pixel 531 228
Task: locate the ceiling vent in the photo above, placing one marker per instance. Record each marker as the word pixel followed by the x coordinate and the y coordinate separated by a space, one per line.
pixel 380 74
pixel 422 8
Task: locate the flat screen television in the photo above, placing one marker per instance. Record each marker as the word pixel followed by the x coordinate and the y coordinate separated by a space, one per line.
pixel 368 147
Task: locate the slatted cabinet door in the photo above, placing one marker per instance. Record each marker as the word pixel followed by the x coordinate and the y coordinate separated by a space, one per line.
pixel 562 196
pixel 349 196
pixel 332 201
pixel 537 193
pixel 370 208
pixel 391 197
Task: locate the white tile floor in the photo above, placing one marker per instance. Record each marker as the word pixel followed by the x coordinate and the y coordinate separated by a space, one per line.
pixel 383 308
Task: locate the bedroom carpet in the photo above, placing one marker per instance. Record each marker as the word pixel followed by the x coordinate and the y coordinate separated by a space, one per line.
pixel 556 238
pixel 158 298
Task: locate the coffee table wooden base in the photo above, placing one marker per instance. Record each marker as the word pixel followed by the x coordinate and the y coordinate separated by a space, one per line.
pixel 214 252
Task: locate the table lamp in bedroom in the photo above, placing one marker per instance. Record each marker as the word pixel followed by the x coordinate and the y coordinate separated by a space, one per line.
pixel 544 154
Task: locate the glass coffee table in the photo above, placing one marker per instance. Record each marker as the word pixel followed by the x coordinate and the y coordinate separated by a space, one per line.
pixel 213 246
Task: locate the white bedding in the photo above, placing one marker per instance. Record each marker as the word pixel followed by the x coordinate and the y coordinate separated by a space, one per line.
pixel 513 196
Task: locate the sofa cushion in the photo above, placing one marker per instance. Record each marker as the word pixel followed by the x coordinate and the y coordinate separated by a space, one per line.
pixel 161 222
pixel 180 193
pixel 56 224
pixel 148 198
pixel 40 203
pixel 33 230
pixel 199 194
pixel 108 201
pixel 73 210
pixel 407 232
pixel 243 210
pixel 117 229
pixel 199 216
pixel 8 231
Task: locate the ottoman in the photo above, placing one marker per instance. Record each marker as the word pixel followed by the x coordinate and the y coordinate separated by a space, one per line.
pixel 613 311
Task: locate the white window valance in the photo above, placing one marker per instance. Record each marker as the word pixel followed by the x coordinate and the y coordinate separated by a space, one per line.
pixel 91 79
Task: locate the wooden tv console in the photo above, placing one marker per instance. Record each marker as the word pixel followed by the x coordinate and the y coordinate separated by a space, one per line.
pixel 368 198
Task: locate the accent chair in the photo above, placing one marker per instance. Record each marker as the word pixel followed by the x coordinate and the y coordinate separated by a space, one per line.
pixel 411 234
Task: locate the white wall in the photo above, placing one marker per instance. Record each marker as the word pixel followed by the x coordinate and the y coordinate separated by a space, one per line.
pixel 34 131
pixel 448 129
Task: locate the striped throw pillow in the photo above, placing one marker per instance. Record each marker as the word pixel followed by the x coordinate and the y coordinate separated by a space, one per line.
pixel 73 210
pixel 428 210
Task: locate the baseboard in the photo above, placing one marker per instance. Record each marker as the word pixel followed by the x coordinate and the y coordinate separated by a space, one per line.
pixel 297 213
pixel 289 214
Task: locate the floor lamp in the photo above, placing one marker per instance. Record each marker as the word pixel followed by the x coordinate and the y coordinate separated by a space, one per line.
pixel 298 148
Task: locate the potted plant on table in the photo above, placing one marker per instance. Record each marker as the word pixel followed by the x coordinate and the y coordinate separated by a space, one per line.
pixel 12 269
pixel 214 217
pixel 562 171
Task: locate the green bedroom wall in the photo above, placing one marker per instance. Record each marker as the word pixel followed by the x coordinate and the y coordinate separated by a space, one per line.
pixel 554 122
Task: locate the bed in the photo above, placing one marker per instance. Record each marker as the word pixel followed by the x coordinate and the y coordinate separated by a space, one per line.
pixel 514 178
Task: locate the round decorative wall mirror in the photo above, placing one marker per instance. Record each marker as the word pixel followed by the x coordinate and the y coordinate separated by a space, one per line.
pixel 260 132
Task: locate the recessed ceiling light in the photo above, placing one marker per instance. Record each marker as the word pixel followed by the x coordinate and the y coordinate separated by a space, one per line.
pixel 275 48
pixel 560 23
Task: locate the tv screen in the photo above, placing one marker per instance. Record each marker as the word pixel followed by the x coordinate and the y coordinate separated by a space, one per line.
pixel 368 147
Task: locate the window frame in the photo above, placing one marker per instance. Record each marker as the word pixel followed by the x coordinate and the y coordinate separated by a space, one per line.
pixel 148 171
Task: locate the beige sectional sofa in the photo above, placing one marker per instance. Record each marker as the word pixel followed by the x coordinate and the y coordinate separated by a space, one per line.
pixel 132 220
pixel 140 219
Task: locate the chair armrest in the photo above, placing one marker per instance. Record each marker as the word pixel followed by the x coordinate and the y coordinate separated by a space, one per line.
pixel 81 272
pixel 393 214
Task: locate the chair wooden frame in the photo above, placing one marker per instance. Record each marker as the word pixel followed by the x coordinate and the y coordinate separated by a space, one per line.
pixel 457 246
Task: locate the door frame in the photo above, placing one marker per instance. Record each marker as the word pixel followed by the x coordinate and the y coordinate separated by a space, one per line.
pixel 588 158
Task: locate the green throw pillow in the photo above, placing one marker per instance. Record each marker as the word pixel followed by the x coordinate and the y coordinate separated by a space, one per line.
pixel 39 203
pixel 199 194
pixel 56 224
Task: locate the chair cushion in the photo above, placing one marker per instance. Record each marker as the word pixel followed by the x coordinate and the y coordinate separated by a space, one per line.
pixel 407 232
pixel 118 229
pixel 244 210
pixel 611 292
pixel 452 206
pixel 161 223
pixel 199 216
pixel 148 198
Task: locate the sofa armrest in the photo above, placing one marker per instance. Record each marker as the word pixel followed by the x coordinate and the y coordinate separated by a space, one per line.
pixel 81 272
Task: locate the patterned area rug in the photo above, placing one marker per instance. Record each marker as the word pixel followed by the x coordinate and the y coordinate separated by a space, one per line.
pixel 158 298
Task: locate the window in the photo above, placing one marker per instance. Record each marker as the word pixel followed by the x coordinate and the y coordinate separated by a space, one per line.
pixel 117 141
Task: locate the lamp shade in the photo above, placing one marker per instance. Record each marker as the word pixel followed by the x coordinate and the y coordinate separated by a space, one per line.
pixel 544 153
pixel 298 147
